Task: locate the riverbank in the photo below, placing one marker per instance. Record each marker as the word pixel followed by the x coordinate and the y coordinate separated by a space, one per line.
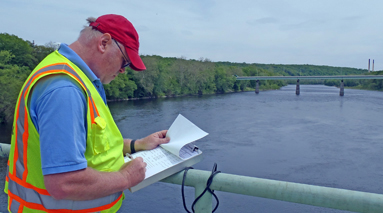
pixel 248 89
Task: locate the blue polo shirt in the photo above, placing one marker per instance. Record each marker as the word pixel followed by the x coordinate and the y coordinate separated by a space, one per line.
pixel 58 108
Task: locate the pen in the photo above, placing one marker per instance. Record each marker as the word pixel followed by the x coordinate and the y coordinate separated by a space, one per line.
pixel 129 156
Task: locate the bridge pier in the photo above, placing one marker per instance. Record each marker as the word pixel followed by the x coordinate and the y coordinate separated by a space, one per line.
pixel 297 91
pixel 341 93
pixel 257 87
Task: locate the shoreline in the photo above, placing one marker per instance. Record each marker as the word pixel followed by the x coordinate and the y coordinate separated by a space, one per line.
pixel 176 96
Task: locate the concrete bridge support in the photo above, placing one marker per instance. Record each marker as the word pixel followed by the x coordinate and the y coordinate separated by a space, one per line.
pixel 341 88
pixel 297 91
pixel 257 87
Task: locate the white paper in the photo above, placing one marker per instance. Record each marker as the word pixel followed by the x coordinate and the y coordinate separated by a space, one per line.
pixel 182 132
pixel 159 159
pixel 161 162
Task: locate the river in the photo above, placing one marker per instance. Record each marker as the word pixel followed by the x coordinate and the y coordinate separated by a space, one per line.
pixel 316 138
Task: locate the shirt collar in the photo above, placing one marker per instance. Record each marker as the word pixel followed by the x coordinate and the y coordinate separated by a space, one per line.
pixel 77 60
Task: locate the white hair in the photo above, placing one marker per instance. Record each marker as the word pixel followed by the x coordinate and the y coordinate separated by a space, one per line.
pixel 88 32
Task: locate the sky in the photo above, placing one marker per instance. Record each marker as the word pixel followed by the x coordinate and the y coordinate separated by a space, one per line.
pixel 340 33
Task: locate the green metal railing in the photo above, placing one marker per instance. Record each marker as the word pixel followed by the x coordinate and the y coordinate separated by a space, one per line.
pixel 4 149
pixel 334 198
pixel 309 77
pixel 279 190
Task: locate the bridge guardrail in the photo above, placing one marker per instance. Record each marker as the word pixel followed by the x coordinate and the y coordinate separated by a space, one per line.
pixel 334 198
pixel 309 77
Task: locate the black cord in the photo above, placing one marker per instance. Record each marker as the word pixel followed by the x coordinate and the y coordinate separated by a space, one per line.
pixel 209 182
pixel 182 188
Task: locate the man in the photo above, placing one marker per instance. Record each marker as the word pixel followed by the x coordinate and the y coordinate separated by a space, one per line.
pixel 66 150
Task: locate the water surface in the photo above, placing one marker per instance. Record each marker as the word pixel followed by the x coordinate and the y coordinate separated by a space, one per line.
pixel 316 138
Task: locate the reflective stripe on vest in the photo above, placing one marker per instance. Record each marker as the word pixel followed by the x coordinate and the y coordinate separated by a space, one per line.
pixel 21 128
pixel 48 203
pixel 23 194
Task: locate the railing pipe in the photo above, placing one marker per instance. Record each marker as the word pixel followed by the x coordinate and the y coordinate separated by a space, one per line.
pixel 334 198
pixel 309 77
pixel 280 190
pixel 204 204
pixel 4 149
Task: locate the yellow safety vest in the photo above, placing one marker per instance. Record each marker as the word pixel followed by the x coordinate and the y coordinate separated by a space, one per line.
pixel 25 182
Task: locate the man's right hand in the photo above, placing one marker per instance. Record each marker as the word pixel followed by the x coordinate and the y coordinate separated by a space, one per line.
pixel 134 171
pixel 89 184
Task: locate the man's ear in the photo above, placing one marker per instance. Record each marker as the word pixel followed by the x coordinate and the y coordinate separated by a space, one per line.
pixel 103 42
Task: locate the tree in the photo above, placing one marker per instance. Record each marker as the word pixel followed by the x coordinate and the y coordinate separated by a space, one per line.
pixel 18 47
pixel 224 80
pixel 12 78
pixel 145 80
pixel 121 88
pixel 40 52
pixel 6 57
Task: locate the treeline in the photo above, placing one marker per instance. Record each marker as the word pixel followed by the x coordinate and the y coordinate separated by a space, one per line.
pixel 17 60
pixel 305 69
pixel 369 84
pixel 163 77
pixel 178 76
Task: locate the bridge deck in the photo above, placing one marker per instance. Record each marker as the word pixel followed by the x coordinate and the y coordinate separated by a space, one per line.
pixel 341 77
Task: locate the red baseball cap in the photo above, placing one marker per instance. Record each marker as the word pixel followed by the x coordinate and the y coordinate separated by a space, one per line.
pixel 124 32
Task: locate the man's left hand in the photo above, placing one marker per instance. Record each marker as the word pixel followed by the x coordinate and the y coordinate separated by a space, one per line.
pixel 151 141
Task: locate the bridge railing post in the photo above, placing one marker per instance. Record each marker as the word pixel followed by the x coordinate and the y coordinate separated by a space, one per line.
pixel 257 87
pixel 297 91
pixel 341 93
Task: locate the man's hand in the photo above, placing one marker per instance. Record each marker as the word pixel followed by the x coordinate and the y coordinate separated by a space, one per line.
pixel 90 184
pixel 147 143
pixel 152 141
pixel 134 171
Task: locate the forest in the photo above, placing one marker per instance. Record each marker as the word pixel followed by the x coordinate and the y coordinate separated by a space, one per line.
pixel 164 77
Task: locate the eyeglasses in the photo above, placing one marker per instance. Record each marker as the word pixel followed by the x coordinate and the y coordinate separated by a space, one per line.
pixel 125 58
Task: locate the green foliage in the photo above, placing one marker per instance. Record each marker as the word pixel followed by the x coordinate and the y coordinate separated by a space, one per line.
pixel 12 78
pixel 164 76
pixel 121 88
pixel 17 59
pixel 146 80
pixel 6 57
pixel 19 48
pixel 40 52
pixel 224 79
pixel 371 84
pixel 307 70
pixel 332 82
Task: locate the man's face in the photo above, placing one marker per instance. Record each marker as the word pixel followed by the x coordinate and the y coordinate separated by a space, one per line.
pixel 115 63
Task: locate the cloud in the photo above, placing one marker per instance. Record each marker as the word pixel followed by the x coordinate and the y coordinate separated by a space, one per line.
pixel 142 28
pixel 267 20
pixel 321 32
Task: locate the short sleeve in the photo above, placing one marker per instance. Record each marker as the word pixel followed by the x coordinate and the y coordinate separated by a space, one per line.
pixel 58 110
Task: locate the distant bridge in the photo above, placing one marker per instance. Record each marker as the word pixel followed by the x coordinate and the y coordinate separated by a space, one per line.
pixel 297 91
